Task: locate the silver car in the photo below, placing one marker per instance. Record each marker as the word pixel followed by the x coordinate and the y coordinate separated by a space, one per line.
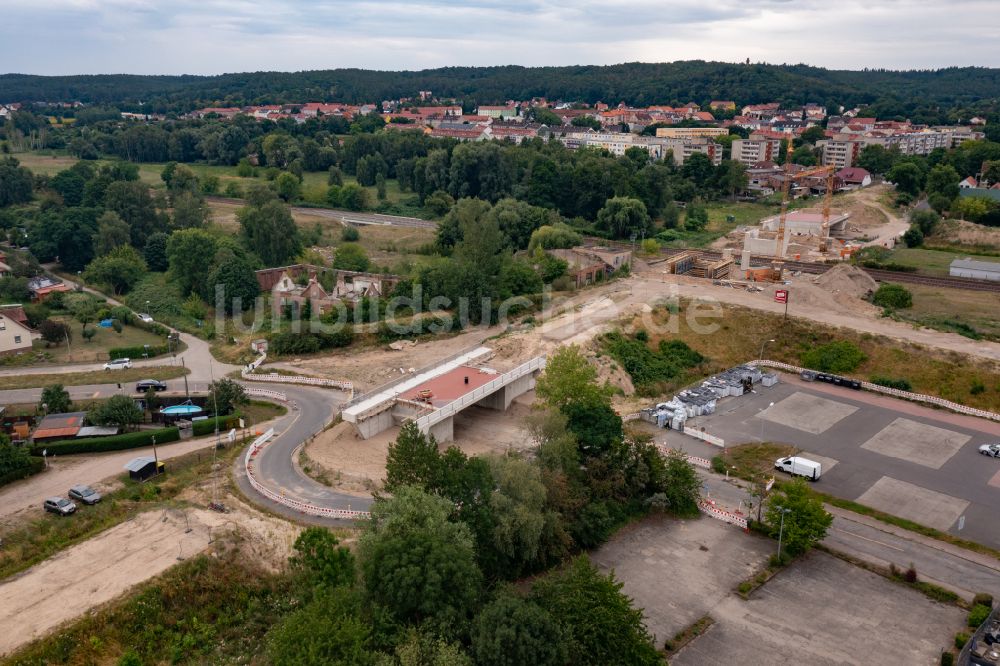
pixel 85 494
pixel 990 449
pixel 59 505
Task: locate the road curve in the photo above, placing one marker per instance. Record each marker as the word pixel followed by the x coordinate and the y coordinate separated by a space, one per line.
pixel 275 465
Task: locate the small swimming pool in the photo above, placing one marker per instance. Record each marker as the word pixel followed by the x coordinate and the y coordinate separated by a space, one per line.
pixel 181 410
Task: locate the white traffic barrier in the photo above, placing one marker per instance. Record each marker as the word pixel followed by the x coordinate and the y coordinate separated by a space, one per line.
pixel 705 437
pixel 250 374
pixel 896 393
pixel 303 507
pixel 711 510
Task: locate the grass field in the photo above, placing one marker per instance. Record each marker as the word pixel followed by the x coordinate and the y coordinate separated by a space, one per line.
pixel 96 349
pixel 9 382
pixel 968 313
pixel 932 262
pixel 952 376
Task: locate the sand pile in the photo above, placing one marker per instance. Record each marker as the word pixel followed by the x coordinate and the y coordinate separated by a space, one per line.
pixel 847 279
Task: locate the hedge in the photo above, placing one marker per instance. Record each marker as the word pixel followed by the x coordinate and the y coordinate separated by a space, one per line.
pixel 35 466
pixel 137 352
pixel 129 440
pixel 207 426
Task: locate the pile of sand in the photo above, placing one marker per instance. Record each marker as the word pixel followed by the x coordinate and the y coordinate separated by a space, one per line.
pixel 847 279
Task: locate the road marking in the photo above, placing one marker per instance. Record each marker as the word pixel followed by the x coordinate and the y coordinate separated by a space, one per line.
pixel 881 543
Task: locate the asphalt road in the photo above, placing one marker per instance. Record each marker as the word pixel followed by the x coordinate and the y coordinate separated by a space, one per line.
pixel 275 464
pixel 175 387
pixel 962 571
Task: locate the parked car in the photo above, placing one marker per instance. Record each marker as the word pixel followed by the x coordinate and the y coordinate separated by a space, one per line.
pixel 144 385
pixel 59 505
pixel 118 364
pixel 797 466
pixel 990 449
pixel 145 317
pixel 85 494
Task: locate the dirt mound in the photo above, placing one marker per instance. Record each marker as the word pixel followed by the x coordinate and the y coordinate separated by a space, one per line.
pixel 847 279
pixel 608 371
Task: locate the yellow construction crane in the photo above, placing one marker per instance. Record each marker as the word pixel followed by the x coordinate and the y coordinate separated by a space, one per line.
pixel 779 250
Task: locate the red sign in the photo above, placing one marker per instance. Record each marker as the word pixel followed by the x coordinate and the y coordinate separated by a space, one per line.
pixel 781 295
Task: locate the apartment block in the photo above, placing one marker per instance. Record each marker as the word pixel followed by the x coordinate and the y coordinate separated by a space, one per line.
pixel 690 132
pixel 754 150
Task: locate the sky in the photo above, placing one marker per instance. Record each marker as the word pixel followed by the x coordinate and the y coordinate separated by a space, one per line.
pixel 217 36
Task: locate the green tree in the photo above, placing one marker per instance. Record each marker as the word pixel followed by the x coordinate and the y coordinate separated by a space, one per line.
pixel 155 252
pixel 190 255
pixel 520 519
pixel 380 188
pixel 419 564
pixel 132 202
pixel 112 232
pixel 942 181
pixel 698 169
pixel 681 485
pixel 622 217
pixel 270 232
pixel 695 217
pixel 13 457
pixel 190 211
pixel 876 159
pixel 511 631
pixel 54 332
pixel 288 186
pixel 412 460
pixel 329 631
pixel 235 282
pixel 806 521
pixel 119 410
pixel 600 624
pixel 913 237
pixel 320 560
pixel 439 203
pixel 732 177
pixel 55 399
pixel 554 236
pixel 120 269
pixel 351 257
pixel 907 176
pixel 16 182
pixel 225 395
pixel 892 296
pixel 568 377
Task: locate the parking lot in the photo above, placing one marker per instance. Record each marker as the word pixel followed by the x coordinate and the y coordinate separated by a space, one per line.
pixel 678 570
pixel 821 610
pixel 895 456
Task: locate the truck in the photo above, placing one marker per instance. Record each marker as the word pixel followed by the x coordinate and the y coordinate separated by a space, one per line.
pixel 797 466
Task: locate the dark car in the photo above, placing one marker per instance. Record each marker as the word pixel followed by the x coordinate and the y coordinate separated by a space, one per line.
pixel 59 505
pixel 144 385
pixel 85 494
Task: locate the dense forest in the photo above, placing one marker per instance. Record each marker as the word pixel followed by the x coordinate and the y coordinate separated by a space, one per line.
pixel 920 93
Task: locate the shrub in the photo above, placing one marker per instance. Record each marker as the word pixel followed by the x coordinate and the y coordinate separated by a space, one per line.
pixel 350 234
pixel 947 659
pixel 893 296
pixel 978 615
pixel 718 465
pixel 839 356
pixel 910 576
pixel 207 426
pixel 306 343
pixel 34 466
pixel 137 352
pixel 889 382
pixel 983 599
pixel 129 440
pixel 961 638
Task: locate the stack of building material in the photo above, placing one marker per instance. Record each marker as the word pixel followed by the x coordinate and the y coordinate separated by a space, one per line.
pixel 769 379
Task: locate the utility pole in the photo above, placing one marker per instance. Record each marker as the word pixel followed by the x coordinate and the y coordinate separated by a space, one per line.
pixel 781 528
pixel 187 393
pixel 156 459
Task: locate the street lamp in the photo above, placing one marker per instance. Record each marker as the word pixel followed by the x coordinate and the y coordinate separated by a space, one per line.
pixel 762 419
pixel 761 355
pixel 781 529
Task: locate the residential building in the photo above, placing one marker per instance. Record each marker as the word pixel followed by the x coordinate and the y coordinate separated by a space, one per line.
pixel 15 334
pixel 972 268
pixel 968 183
pixel 690 132
pixel 841 151
pixel 506 111
pixel 853 178
pixel 41 286
pixel 59 426
pixel 754 150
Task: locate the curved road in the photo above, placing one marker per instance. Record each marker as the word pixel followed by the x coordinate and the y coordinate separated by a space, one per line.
pixel 276 467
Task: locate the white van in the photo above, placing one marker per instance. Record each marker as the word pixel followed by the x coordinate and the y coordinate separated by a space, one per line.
pixel 796 466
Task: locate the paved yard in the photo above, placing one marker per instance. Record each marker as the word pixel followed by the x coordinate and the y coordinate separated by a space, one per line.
pixel 900 457
pixel 824 611
pixel 678 570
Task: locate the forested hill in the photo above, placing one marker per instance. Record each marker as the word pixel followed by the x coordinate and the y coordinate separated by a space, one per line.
pixel 640 84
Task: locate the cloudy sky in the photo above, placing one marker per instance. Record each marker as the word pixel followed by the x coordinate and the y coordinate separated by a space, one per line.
pixel 214 36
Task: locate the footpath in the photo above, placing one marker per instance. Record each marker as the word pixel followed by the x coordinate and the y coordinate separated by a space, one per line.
pixel 962 571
